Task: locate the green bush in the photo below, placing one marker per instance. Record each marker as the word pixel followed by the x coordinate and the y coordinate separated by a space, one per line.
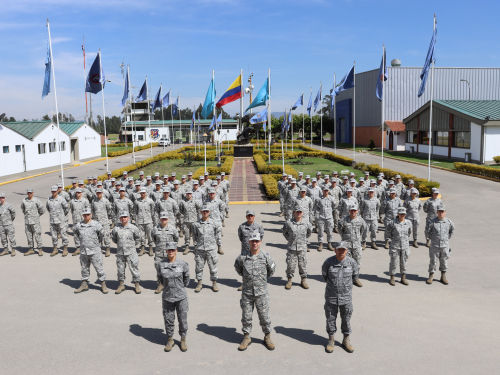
pixel 478 169
pixel 496 159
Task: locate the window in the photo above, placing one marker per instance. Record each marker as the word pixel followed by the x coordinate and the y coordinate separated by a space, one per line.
pixel 63 145
pixel 140 138
pixel 52 146
pixel 5 149
pixel 424 138
pixel 18 148
pixel 41 148
pixel 441 138
pixel 411 136
pixel 462 139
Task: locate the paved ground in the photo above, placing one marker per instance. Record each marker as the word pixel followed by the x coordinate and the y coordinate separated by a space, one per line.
pixel 246 184
pixel 418 329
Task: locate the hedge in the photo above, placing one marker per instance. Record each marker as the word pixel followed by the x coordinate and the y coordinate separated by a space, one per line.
pixel 112 154
pixel 226 167
pixel 496 159
pixel 263 168
pixel 478 169
pixel 271 186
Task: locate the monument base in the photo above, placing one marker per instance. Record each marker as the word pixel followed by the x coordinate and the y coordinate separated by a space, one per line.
pixel 243 151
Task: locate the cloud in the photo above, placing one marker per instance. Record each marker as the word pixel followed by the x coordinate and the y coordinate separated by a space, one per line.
pixel 60 40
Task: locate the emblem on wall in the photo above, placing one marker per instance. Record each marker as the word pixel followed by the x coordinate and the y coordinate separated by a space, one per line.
pixel 155 134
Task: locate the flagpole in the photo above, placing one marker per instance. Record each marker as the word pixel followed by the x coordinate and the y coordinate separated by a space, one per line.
pixel 354 114
pixel 55 97
pixel 103 111
pixel 171 117
pixel 282 154
pixel 430 115
pixel 311 120
pixel 131 115
pixel 241 101
pixel 269 114
pixel 179 110
pixel 303 123
pixel 321 111
pixel 149 115
pixel 215 119
pixel 335 113
pixel 383 79
pixel 162 117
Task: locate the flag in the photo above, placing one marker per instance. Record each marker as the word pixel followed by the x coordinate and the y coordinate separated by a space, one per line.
pixel 232 93
pixel 283 124
pixel 125 91
pixel 212 124
pixel 48 67
pixel 332 95
pixel 175 107
pixel 219 120
pixel 192 122
pixel 428 61
pixel 157 101
pixel 382 75
pixel 317 101
pixel 299 102
pixel 208 106
pixel 143 94
pixel 95 82
pixel 261 97
pixel 259 117
pixel 199 123
pixel 309 105
pixel 346 83
pixel 166 100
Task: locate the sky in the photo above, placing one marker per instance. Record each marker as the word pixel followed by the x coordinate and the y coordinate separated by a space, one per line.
pixel 179 43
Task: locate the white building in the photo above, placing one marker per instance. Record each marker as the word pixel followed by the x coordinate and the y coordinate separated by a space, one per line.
pixel 31 145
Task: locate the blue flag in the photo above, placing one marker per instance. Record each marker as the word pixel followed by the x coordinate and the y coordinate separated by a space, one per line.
pixel 283 124
pixel 157 102
pixel 125 91
pixel 261 97
pixel 219 120
pixel 95 82
pixel 212 125
pixel 309 106
pixel 192 122
pixel 299 102
pixel 289 122
pixel 382 76
pixel 317 101
pixel 346 83
pixel 48 67
pixel 199 122
pixel 143 94
pixel 166 100
pixel 175 107
pixel 259 117
pixel 332 96
pixel 428 61
pixel 208 106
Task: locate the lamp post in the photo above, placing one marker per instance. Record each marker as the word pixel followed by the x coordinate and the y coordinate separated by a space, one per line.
pixel 205 137
pixel 464 80
pixel 218 138
pixel 249 90
pixel 282 135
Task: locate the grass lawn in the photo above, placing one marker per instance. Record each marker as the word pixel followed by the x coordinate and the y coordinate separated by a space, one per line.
pixel 103 149
pixel 113 137
pixel 324 166
pixel 342 145
pixel 418 159
pixel 169 166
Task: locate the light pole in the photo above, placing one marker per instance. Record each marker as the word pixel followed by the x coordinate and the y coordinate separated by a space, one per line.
pixel 218 138
pixel 249 90
pixel 464 80
pixel 205 137
pixel 282 135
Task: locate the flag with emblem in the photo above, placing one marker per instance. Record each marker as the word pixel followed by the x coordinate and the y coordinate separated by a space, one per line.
pixel 95 82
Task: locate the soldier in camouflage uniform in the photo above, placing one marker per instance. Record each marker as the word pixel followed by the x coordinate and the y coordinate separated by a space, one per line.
pixel 162 234
pixel 130 187
pixel 72 190
pixel 398 185
pixel 306 203
pixel 149 185
pixel 57 207
pixel 77 205
pixel 126 236
pixel 324 209
pixel 89 233
pixel 198 194
pixel 369 210
pixel 439 230
pixel 32 209
pixel 136 194
pixel 406 192
pixel 319 179
pixel 102 211
pixel 346 202
pixel 144 209
pixel 314 192
pixel 206 236
pixel 296 231
pixel 352 229
pixel 389 209
pixel 190 210
pixel 362 189
pixel 62 193
pixel 190 180
pixel 207 182
pixel 114 193
pixel 340 273
pixel 142 179
pixel 301 180
pixel 124 178
pixel 216 207
pixel 336 193
pixel 167 204
pixel 173 274
pixel 122 204
pixel 291 193
pixel 345 184
pixel 176 194
pixel 7 232
pixel 399 231
pixel 107 182
pixel 255 267
pixel 105 192
pixel 430 208
pixel 156 194
pixel 85 192
pixel 386 192
pixel 413 205
pixel 226 186
pixel 157 179
pixel 281 190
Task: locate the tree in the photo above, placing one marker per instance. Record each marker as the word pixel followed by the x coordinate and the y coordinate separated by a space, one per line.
pixel 371 144
pixel 46 118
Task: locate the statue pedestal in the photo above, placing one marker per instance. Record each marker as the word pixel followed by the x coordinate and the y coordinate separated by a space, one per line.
pixel 243 151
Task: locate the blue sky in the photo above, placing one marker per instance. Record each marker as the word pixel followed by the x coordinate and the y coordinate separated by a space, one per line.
pixel 178 43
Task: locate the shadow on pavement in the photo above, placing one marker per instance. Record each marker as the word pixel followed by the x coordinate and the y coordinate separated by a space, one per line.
pixel 306 336
pixel 278 281
pixel 281 222
pixel 223 333
pixel 153 335
pixel 230 282
pixel 316 277
pixel 274 230
pixel 409 276
pixel 278 245
pixel 263 213
pixel 149 284
pixel 75 284
pixel 373 278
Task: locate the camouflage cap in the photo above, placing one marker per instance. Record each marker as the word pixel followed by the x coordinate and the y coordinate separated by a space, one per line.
pixel 137 183
pixel 190 173
pixel 255 236
pixel 183 177
pixel 352 180
pixel 94 177
pixel 353 207
pixel 122 189
pixel 99 183
pixel 349 189
pixel 298 208
pixel 335 172
pixel 351 174
pixel 157 183
pixel 223 173
pixel 98 190
pixel 391 182
pixel 211 190
pixel 214 183
pixel 74 182
pixel 380 178
pixel 125 173
pixel 130 179
pixel 148 177
pixel 29 190
pixel 53 188
pixel 361 179
pixel 372 181
pixel 325 187
pixel 59 185
pixel 367 173
pixel 113 179
pixel 195 182
pixel 308 176
pixel 205 208
pixel 124 214
pixel 435 191
pixel 392 191
pixel 141 173
pixel 401 210
pixel 290 176
pixel 87 211
pixel 250 212
pixel 165 176
pixel 301 173
pixel 177 182
pixel 189 192
pixel 411 182
pixel 341 245
pixel 173 174
pixel 2 195
pixel 441 207
pixel 171 245
pixel 327 177
pixel 200 178
pixel 157 174
pixel 80 182
pixel 205 174
pixel 372 190
pixel 294 181
pixel 398 176
pixel 78 190
pixel 314 179
pixel 413 191
pixel 303 188
pixel 143 190
pixel 164 215
pixel 217 177
pixel 109 172
pixel 118 183
pixel 345 178
pixel 284 175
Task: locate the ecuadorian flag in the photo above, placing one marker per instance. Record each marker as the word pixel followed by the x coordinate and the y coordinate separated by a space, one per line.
pixel 232 93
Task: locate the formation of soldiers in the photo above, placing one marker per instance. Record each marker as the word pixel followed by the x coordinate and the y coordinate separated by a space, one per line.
pixel 156 213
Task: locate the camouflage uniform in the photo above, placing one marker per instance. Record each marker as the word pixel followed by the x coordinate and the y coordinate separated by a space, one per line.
pixel 224 184
pixel 255 270
pixel 352 232
pixel 77 206
pixel 124 204
pixel 167 205
pixel 281 189
pixel 290 195
pixel 313 193
pixel 296 233
pixel 126 239
pixel 32 210
pixel 368 210
pixel 244 232
pixel 90 238
pixel 67 198
pixel 156 195
pixel 189 209
pixel 336 193
pixel 406 193
pixel 206 236
pixel 161 237
pixel 7 216
pixel 307 206
pixel 344 205
pixel 324 207
pixel 412 208
pixel 57 209
pixel 176 195
pixel 217 209
pixel 199 195
pixel 399 251
pixel 144 210
pixel 113 195
pixel 439 232
pixel 430 208
pixel 102 211
pixel 399 189
pixel 389 208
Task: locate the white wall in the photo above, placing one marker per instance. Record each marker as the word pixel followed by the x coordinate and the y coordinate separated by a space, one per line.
pixel 34 160
pixel 399 141
pixel 13 161
pixel 475 142
pixel 491 143
pixel 89 142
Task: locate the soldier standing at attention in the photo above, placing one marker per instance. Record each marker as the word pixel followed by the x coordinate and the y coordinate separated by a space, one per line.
pixel 102 211
pixel 336 193
pixel 389 209
pixel 62 193
pixel 439 230
pixel 369 210
pixel 206 233
pixel 296 231
pixel 126 236
pixel 164 233
pixel 399 231
pixel 324 208
pixel 176 195
pixel 7 216
pixel 122 204
pixel 430 208
pixel 32 209
pixel 413 205
pixel 144 209
pixel 216 207
pixel 166 204
pixel 313 192
pixel 346 202
pixel 339 272
pixel 77 205
pixel 281 190
pixel 246 229
pixel 173 275
pixel 255 267
pixel 57 207
pixel 291 193
pixel 156 194
pixel 89 233
pixel 189 209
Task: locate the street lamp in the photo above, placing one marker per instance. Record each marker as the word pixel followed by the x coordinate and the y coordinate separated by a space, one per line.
pixel 249 89
pixel 205 139
pixel 282 135
pixel 464 80
pixel 218 138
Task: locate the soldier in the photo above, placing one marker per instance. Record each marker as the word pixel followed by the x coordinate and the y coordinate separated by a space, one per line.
pixel 89 186
pixel 226 186
pixel 399 231
pixel 356 194
pixel 389 209
pixel 216 207
pixel 439 230
pixel 149 185
pixel 362 187
pixel 72 190
pixel 142 179
pixel 367 177
pixel 107 182
pixel 399 186
pixel 136 194
pixel 122 204
pixel 57 207
pixel 112 189
pixel 314 192
pixel 62 193
pixel 207 182
pixel 281 190
pixel 162 234
pixel 307 181
pixel 246 229
pixel 406 192
pixel 430 208
pixel 306 203
pixel 326 182
pixel 127 237
pixel 124 178
pixel 189 209
pixel 369 210
pixel 7 232
pixel 301 180
pixel 102 211
pixel 346 202
pixel 190 181
pixel 157 178
pixel 325 208
pixel 77 205
pixel 255 267
pixel 345 184
pixel 206 235
pixel 156 194
pixel 32 209
pixel 413 205
pixel 335 177
pixel 198 194
pixel 85 192
pixel 296 231
pixel 167 204
pixel 89 233
pixel 168 182
pixel 340 273
pixel 319 179
pixel 184 186
pixel 105 192
pixel 173 274
pixel 129 187
pixel 144 209
pixel 386 192
pixel 176 195
pixel 291 193
pixel 114 192
pixel 352 229
pixel 336 193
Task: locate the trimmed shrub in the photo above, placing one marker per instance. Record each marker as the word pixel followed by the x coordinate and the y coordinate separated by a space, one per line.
pixel 478 169
pixel 112 154
pixel 271 186
pixel 496 159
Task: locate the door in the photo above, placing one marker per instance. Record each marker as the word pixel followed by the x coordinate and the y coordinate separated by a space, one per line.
pixel 24 158
pixel 391 140
pixel 73 146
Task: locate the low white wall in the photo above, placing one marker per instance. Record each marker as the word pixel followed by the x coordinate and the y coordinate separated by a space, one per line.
pixel 89 142
pixel 475 142
pixel 491 143
pixel 13 161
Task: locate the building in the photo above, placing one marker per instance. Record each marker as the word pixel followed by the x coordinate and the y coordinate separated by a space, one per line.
pixel 462 130
pixel 32 145
pixel 401 99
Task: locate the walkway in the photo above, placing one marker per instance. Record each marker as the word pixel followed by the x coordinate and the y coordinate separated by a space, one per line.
pixel 246 183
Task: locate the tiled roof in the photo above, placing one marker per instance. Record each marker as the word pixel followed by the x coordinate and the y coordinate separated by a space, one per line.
pixel 396 126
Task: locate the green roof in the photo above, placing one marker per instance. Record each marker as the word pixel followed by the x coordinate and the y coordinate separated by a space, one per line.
pixel 70 127
pixel 28 129
pixel 176 122
pixel 479 109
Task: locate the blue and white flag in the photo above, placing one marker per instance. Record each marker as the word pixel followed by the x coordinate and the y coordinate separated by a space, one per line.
pixel 143 94
pixel 428 61
pixel 48 67
pixel 212 125
pixel 382 76
pixel 125 91
pixel 157 101
pixel 309 106
pixel 346 83
pixel 192 122
pixel 299 102
pixel 166 100
pixel 96 79
pixel 317 101
pixel 175 107
pixel 219 120
pixel 259 117
pixel 261 97
pixel 289 122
